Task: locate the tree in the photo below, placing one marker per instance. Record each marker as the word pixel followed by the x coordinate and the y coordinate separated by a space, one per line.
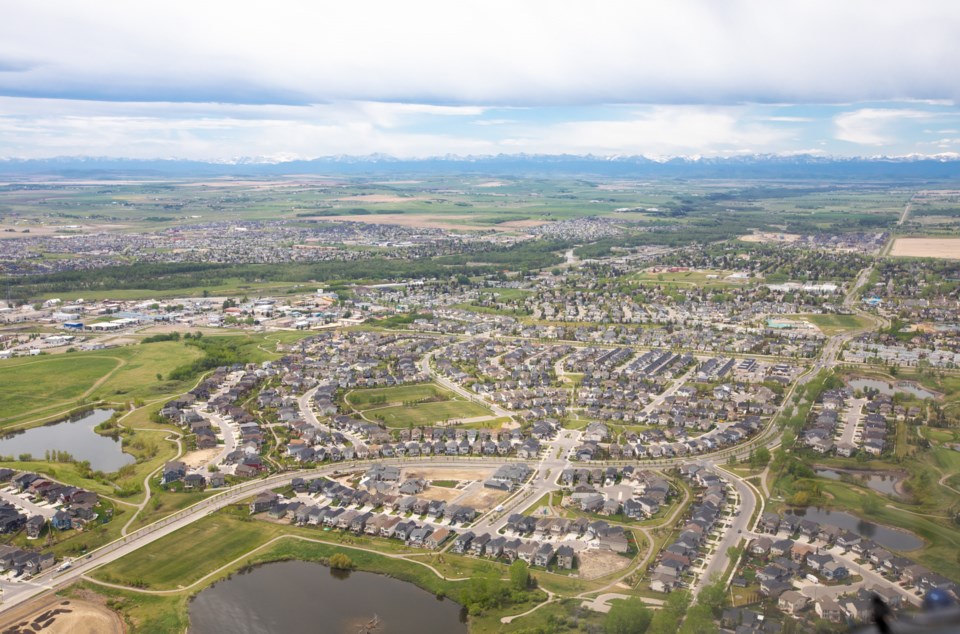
pixel 627 616
pixel 714 597
pixel 667 619
pixel 760 458
pixel 519 575
pixel 340 561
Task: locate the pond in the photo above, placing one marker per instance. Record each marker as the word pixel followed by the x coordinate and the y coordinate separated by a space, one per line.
pixel 892 538
pixel 298 596
pixel 880 481
pixel 883 387
pixel 74 436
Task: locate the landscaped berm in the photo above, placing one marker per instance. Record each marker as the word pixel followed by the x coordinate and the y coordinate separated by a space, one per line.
pixel 420 404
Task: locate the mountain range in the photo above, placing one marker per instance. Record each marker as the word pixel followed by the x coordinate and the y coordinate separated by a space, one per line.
pixel 916 167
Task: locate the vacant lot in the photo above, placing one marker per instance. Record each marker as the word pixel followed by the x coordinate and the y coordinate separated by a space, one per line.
pixel 482 498
pixel 944 248
pixel 63 616
pixel 597 563
pixel 768 238
pixel 448 473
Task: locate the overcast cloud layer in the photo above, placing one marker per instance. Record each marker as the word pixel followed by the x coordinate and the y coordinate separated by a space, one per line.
pixel 216 80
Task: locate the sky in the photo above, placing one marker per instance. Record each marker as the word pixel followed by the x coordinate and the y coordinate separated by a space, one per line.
pixel 285 80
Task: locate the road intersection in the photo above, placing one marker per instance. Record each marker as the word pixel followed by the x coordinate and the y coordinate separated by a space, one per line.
pixel 555 458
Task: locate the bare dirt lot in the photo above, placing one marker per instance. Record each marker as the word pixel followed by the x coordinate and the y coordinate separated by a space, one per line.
pixel 62 616
pixel 439 493
pixel 196 458
pixel 597 563
pixel 765 238
pixel 483 499
pixel 943 248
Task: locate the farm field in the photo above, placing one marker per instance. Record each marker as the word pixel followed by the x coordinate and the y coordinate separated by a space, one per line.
pixel 942 248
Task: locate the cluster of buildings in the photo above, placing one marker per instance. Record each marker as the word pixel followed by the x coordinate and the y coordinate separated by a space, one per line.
pixel 845 425
pixel 62 506
pixel 782 563
pixel 634 493
pixel 673 566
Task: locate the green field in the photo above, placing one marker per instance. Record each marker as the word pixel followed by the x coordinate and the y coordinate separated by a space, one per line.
pixel 213 542
pixel 38 383
pixel 399 394
pixel 833 324
pixel 401 407
pixel 427 413
pixel 39 387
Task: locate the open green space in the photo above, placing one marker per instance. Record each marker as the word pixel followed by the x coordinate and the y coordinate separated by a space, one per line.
pixel 833 324
pixel 418 404
pixel 38 383
pixel 36 388
pixel 427 413
pixel 400 394
pixel 226 540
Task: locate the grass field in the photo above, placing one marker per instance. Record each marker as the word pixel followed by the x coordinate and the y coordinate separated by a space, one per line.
pixel 36 387
pixel 833 324
pixel 398 406
pixel 40 382
pixel 399 394
pixel 427 413
pixel 166 564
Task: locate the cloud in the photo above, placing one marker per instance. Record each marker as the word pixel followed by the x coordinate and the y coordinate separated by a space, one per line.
pixel 789 119
pixel 659 131
pixel 870 126
pixel 489 52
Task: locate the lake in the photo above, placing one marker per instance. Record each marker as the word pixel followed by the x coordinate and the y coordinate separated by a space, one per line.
pixel 75 436
pixel 892 538
pixel 879 481
pixel 299 596
pixel 883 387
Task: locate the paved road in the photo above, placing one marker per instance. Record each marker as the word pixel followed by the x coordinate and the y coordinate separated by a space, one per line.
pixel 9 495
pixel 852 418
pixel 16 593
pixel 456 388
pixel 739 528
pixel 544 480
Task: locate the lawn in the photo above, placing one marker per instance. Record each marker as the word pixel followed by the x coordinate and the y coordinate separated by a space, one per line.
pixel 399 394
pixel 833 324
pixel 188 554
pixel 40 383
pixel 427 413
pixel 38 388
